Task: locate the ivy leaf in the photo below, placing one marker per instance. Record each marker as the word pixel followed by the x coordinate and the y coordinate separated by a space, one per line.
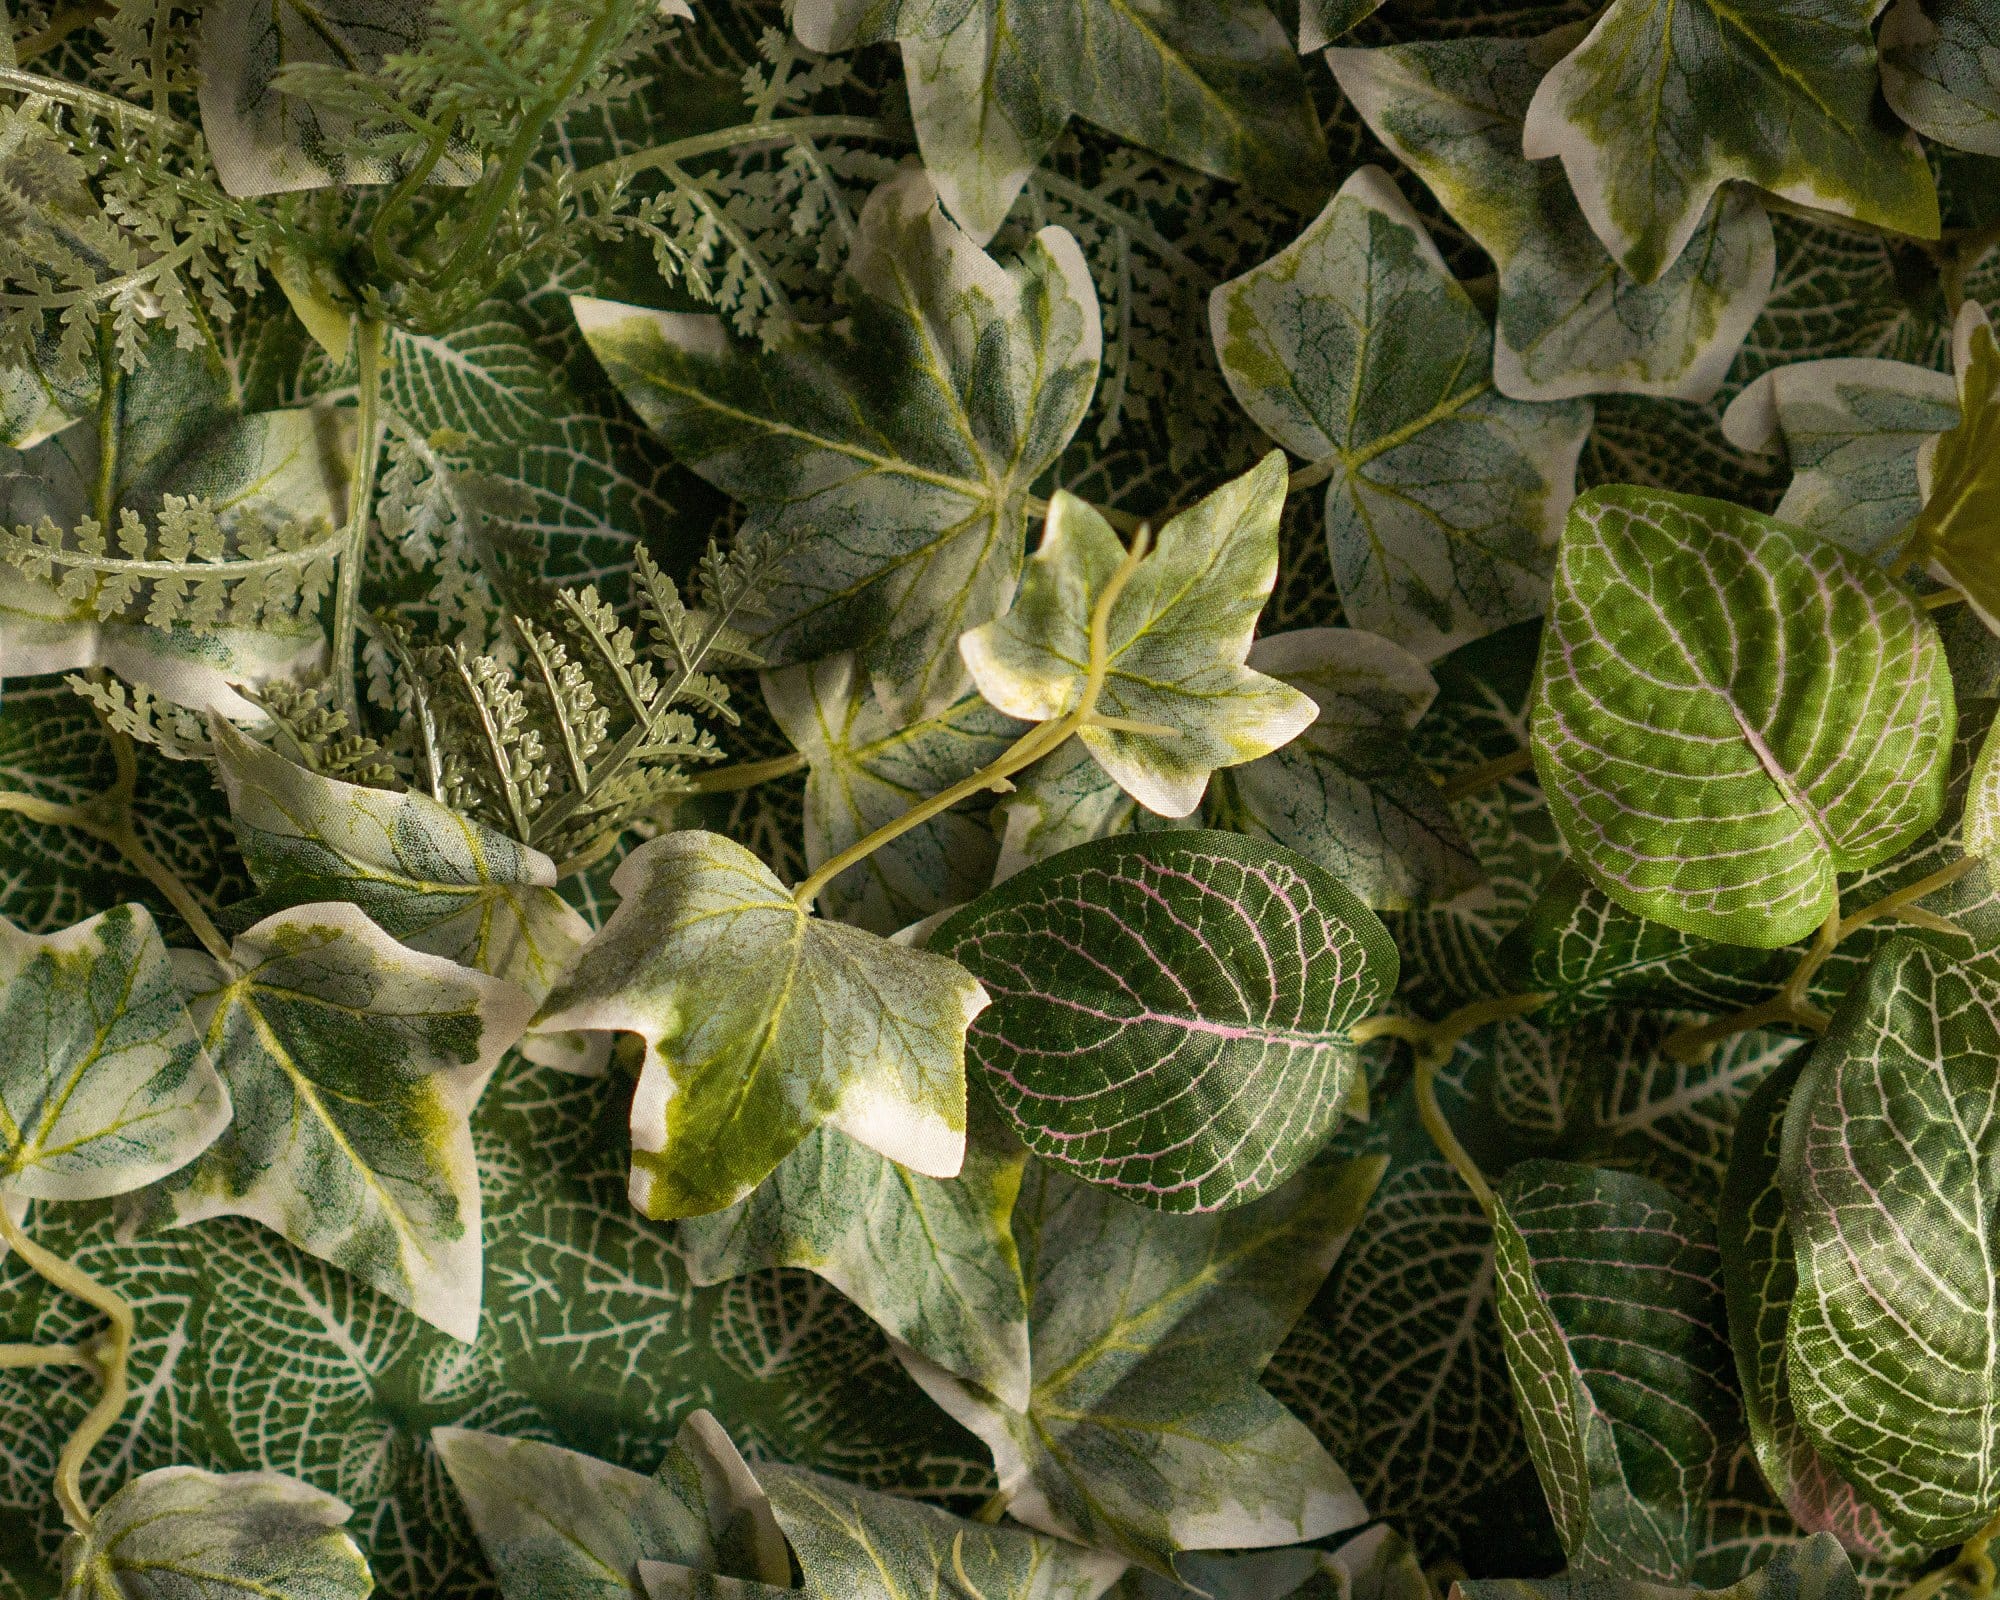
pixel 993 82
pixel 894 451
pixel 1816 1568
pixel 1145 1431
pixel 178 1533
pixel 1611 1304
pixel 1170 1012
pixel 1569 320
pixel 1444 498
pixel 1177 634
pixel 1373 1565
pixel 1715 788
pixel 1888 1150
pixel 855 1545
pixel 1941 71
pixel 865 769
pixel 354 1065
pixel 761 1023
pixel 1961 487
pixel 104 1086
pixel 1782 97
pixel 932 1262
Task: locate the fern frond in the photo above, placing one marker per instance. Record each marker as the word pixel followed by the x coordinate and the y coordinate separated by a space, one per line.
pixel 139 714
pixel 315 732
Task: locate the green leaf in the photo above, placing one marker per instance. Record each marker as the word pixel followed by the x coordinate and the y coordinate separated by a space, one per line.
pixel 1569 320
pixel 761 1023
pixel 104 1086
pixel 1889 1150
pixel 1444 498
pixel 854 1545
pixel 1171 1012
pixel 1611 1305
pixel 1982 800
pixel 1810 1569
pixel 1941 71
pixel 865 769
pixel 1373 1565
pixel 560 1525
pixel 1176 637
pixel 1780 95
pixel 354 1065
pixel 1145 1431
pixel 993 82
pixel 1953 535
pixel 182 1534
pixel 1715 787
pixel 895 450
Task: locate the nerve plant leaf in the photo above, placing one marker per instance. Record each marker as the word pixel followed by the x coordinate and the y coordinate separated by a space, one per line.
pixel 1941 71
pixel 761 1023
pixel 1145 1431
pixel 1959 473
pixel 1780 94
pixel 1890 1149
pixel 354 1065
pixel 1610 1298
pixel 896 449
pixel 1570 320
pixel 1177 634
pixel 1171 1011
pixel 178 1533
pixel 1807 1569
pixel 1355 348
pixel 993 82
pixel 1729 712
pixel 853 1544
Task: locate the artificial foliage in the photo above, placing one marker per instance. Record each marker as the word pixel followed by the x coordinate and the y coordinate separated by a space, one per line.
pixel 999 799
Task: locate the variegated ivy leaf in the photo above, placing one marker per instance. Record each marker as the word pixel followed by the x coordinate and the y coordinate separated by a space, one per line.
pixel 1941 71
pixel 1781 95
pixel 1177 634
pixel 1729 712
pixel 762 1022
pixel 354 1064
pixel 1171 1011
pixel 178 1533
pixel 1959 473
pixel 1889 1151
pixel 856 1545
pixel 1808 1569
pixel 933 1262
pixel 1444 497
pixel 866 768
pixel 1611 1306
pixel 1569 320
pixel 1145 1431
pixel 993 82
pixel 895 451
pixel 559 1525
pixel 104 1086
pixel 437 881
pixel 1374 1565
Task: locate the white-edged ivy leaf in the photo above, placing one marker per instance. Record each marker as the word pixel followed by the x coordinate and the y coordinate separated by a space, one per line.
pixel 865 769
pixel 1171 1010
pixel 1569 320
pixel 104 1086
pixel 1445 498
pixel 1730 712
pixel 1959 473
pixel 179 1533
pixel 1941 71
pixel 1610 1295
pixel 1177 634
pixel 354 1064
pixel 853 1544
pixel 1887 1164
pixel 993 82
pixel 762 1022
pixel 433 879
pixel 1781 96
pixel 1145 1430
pixel 1807 1569
pixel 893 452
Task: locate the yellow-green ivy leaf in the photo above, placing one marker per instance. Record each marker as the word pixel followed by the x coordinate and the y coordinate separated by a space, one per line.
pixel 1959 473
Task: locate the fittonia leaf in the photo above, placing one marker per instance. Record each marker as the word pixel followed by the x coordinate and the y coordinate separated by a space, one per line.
pixel 1982 800
pixel 104 1085
pixel 1941 71
pixel 1187 1071
pixel 1177 632
pixel 761 1023
pixel 1952 535
pixel 1314 344
pixel 1714 785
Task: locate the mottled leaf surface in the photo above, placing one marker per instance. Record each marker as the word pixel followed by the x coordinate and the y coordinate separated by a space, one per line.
pixel 1941 71
pixel 1800 1569
pixel 1960 476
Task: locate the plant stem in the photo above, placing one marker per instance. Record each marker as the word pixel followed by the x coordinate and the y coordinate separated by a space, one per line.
pixel 103 105
pixel 43 1355
pixel 1972 1566
pixel 108 1353
pixel 1941 599
pixel 1486 774
pixel 369 339
pixel 746 774
pixel 110 395
pixel 695 146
